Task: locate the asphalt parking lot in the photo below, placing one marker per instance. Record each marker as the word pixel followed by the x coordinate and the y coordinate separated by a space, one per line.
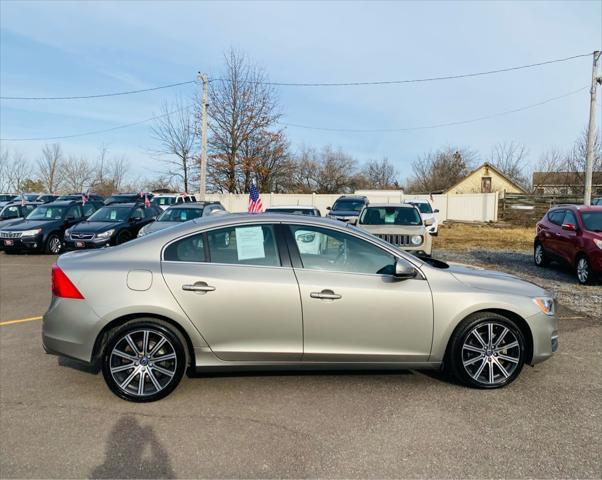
pixel 60 420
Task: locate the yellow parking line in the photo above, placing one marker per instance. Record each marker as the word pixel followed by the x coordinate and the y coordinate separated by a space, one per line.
pixel 21 320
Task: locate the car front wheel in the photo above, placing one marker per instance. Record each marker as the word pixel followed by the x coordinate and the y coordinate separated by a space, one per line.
pixel 539 256
pixel 584 274
pixel 54 244
pixel 144 360
pixel 487 351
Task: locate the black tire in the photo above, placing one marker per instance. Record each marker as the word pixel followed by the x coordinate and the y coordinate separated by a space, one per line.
pixel 463 342
pixel 53 245
pixel 122 237
pixel 583 270
pixel 540 258
pixel 144 367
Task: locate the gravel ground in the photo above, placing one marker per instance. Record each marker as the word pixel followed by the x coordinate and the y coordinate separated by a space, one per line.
pixel 586 300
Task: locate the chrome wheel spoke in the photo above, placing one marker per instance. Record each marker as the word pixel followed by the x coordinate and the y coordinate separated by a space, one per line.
pixel 157 346
pixel 132 345
pixel 162 370
pixel 490 334
pixel 153 379
pixel 491 374
pixel 507 358
pixel 501 368
pixel 162 358
pixel 500 338
pixel 129 379
pixel 121 368
pixel 479 338
pixel 473 349
pixel 480 370
pixel 506 347
pixel 145 342
pixel 127 356
pixel 141 383
pixel 472 360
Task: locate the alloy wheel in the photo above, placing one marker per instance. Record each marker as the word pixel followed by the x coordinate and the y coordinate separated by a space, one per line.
pixel 583 270
pixel 54 244
pixel 538 254
pixel 143 362
pixel 491 353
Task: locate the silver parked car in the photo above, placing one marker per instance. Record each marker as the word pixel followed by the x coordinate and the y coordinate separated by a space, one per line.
pixel 182 212
pixel 286 291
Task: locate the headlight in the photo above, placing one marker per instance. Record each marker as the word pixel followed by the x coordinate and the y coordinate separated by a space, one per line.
pixel 416 239
pixel 31 233
pixel 105 235
pixel 142 232
pixel 598 243
pixel 545 304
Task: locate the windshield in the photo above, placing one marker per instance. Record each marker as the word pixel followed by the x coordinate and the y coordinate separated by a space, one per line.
pixel 293 211
pixel 6 198
pixel 592 221
pixel 11 211
pixel 423 207
pixel 110 214
pixel 348 205
pixel 390 216
pixel 163 201
pixel 180 214
pixel 47 213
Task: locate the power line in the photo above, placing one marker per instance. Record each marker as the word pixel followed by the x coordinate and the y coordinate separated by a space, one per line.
pixel 322 84
pixel 102 95
pixel 438 125
pixel 417 80
pixel 95 132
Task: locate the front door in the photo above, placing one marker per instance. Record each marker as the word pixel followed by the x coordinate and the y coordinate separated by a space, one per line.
pixel 354 309
pixel 233 287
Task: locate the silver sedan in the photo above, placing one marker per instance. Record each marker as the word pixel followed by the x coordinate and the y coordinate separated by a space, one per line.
pixel 281 291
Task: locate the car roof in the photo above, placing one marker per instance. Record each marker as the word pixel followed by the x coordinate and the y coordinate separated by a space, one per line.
pixel 124 205
pixel 197 205
pixel 395 205
pixel 174 195
pixel 353 197
pixel 580 208
pixel 276 207
pixel 62 203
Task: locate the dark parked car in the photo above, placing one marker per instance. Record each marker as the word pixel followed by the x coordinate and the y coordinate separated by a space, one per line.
pixel 572 235
pixel 347 208
pixel 182 212
pixel 14 213
pixel 111 225
pixel 127 198
pixel 6 198
pixel 78 196
pixel 44 228
pixel 47 198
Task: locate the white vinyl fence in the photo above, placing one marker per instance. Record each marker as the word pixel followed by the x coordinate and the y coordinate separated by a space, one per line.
pixel 470 207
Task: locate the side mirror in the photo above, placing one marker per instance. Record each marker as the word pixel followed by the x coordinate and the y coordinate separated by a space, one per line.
pixel 570 227
pixel 328 208
pixel 436 210
pixel 404 270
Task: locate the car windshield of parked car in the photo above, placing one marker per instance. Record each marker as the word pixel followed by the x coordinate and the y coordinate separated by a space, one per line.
pixel 111 214
pixel 180 214
pixel 6 198
pixel 592 221
pixel 44 212
pixel 10 211
pixel 423 207
pixel 292 211
pixel 390 216
pixel 120 199
pixel 163 201
pixel 348 205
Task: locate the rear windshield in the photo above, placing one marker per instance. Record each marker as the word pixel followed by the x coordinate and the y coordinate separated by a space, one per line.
pixel 390 216
pixel 47 213
pixel 111 214
pixel 348 205
pixel 292 211
pixel 592 221
pixel 423 207
pixel 121 198
pixel 180 214
pixel 163 201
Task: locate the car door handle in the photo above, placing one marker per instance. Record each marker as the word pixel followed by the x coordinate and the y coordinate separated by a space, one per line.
pixel 198 287
pixel 325 295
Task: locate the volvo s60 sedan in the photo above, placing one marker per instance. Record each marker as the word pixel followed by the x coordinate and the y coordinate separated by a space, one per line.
pixel 285 291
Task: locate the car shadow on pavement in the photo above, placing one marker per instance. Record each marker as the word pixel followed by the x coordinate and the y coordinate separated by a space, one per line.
pixel 133 451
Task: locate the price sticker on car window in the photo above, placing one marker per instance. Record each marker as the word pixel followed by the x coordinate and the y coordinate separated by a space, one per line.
pixel 249 243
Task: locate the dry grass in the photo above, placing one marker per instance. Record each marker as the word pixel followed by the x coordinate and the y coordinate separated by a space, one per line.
pixel 465 237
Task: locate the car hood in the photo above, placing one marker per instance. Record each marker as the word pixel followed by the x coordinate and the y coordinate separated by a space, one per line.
pixel 31 224
pixel 492 280
pixel 156 226
pixel 394 229
pixel 10 221
pixel 95 226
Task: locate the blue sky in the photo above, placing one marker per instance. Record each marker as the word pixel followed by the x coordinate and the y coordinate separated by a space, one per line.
pixel 53 48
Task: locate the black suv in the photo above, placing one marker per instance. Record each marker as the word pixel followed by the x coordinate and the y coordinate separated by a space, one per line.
pixel 79 196
pixel 347 208
pixel 128 198
pixel 111 225
pixel 44 228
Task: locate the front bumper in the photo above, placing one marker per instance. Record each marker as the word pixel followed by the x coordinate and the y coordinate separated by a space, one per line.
pixel 544 330
pixel 77 244
pixel 22 243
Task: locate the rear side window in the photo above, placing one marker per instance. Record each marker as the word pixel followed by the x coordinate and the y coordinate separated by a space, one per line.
pixel 244 245
pixel 556 216
pixel 190 249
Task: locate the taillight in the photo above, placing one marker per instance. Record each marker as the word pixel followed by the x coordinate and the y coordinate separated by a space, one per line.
pixel 62 286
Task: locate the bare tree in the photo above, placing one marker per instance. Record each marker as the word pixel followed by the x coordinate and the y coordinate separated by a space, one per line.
pixel 440 170
pixel 380 174
pixel 18 171
pixel 118 170
pixel 49 167
pixel 78 174
pixel 242 111
pixel 4 161
pixel 510 158
pixel 177 138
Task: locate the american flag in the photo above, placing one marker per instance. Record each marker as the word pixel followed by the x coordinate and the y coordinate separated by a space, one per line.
pixel 147 202
pixel 255 205
pixel 85 197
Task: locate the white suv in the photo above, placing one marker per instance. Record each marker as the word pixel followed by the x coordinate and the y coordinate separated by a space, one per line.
pixel 166 200
pixel 428 215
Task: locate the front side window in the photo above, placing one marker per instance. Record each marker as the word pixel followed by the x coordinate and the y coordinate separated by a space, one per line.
pixel 592 221
pixel 390 216
pixel 47 213
pixel 245 245
pixel 324 249
pixel 10 212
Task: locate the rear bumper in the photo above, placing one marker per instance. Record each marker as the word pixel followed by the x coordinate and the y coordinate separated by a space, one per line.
pixel 544 330
pixel 70 328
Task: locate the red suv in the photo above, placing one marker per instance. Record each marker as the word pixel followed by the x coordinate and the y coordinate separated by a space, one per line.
pixel 571 234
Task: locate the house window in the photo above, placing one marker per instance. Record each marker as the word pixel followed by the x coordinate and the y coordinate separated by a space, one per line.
pixel 485 184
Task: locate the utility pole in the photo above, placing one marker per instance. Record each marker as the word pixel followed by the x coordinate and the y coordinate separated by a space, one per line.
pixel 203 167
pixel 591 131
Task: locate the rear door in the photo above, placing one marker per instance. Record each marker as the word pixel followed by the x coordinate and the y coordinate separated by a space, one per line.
pixel 552 232
pixel 567 239
pixel 237 286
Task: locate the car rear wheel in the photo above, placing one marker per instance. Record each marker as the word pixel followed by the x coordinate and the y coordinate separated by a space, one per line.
pixel 144 360
pixel 487 351
pixel 123 237
pixel 539 256
pixel 53 244
pixel 584 274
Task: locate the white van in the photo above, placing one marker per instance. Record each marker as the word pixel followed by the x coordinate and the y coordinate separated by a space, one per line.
pixel 166 200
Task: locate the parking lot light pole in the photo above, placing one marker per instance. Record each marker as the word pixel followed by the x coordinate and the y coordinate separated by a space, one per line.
pixel 203 166
pixel 591 131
